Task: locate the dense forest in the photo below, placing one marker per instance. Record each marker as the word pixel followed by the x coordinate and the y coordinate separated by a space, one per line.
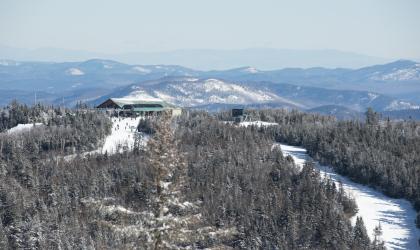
pixel 199 183
pixel 381 153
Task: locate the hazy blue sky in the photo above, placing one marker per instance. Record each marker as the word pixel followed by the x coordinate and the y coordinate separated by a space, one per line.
pixel 386 28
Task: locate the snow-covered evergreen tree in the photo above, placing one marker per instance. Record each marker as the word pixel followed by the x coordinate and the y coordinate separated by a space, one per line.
pixel 177 222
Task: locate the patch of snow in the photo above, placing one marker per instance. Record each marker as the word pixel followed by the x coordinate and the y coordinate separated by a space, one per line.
pixel 191 79
pixel 22 127
pixel 141 70
pixel 251 70
pixel 9 63
pixel 76 85
pixel 218 86
pixel 165 97
pixel 122 136
pixel 407 74
pixel 372 96
pixel 139 95
pixel 74 72
pixel 258 124
pixel 107 66
pixel 396 216
pixel 398 105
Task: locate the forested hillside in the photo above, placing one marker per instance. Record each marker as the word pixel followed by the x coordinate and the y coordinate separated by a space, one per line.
pixel 199 183
pixel 381 154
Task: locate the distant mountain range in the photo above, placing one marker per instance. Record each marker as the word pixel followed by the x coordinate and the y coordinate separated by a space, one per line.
pixel 207 59
pixel 387 87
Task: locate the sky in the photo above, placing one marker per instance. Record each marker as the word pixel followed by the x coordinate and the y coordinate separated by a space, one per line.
pixel 383 28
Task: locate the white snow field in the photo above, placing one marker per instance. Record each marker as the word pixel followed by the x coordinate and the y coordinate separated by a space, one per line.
pixel 258 124
pixel 122 135
pixel 22 127
pixel 397 216
pixel 124 131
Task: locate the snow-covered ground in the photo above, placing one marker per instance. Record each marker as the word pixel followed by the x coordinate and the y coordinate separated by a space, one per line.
pixel 258 124
pixel 74 72
pixel 22 127
pixel 122 136
pixel 396 216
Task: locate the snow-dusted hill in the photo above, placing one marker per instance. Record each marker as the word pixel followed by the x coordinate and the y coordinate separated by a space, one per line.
pixel 193 92
pixel 209 93
pixel 397 71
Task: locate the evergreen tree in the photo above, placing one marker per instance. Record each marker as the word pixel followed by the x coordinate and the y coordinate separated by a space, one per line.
pixel 378 243
pixel 177 222
pixel 360 236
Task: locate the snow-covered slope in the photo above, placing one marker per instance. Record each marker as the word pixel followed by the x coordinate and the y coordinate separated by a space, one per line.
pixel 396 216
pixel 124 131
pixel 22 127
pixel 123 136
pixel 406 73
pixel 192 92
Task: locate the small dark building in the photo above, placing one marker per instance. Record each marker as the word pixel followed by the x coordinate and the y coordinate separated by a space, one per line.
pixel 238 115
pixel 237 112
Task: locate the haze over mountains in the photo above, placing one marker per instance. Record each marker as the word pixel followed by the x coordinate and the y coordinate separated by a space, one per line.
pixel 387 87
pixel 208 59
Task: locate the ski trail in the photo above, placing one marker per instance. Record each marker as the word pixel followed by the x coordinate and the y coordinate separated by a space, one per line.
pixel 397 216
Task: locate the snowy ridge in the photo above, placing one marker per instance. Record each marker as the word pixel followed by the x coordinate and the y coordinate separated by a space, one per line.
pixel 139 95
pixel 398 105
pixel 191 92
pixel 396 216
pixel 406 74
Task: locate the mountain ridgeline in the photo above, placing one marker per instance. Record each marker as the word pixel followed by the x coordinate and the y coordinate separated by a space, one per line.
pixel 388 87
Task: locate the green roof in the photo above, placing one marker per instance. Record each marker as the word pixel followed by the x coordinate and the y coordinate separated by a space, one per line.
pixel 148 109
pixel 121 102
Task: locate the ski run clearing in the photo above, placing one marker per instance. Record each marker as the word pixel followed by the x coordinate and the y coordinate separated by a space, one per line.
pixel 122 138
pixel 396 216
